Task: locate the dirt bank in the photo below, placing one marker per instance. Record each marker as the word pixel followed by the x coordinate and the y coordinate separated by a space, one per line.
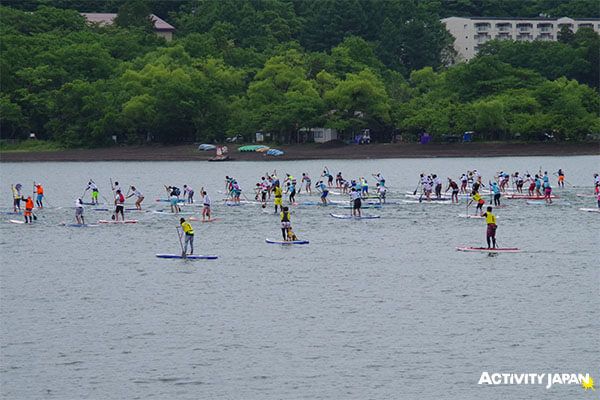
pixel 311 152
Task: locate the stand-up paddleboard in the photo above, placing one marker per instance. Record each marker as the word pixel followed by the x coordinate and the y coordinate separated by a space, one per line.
pixel 78 225
pixel 167 200
pixel 286 242
pixel 188 257
pixel 14 221
pixel 362 206
pixel 232 204
pixel 528 197
pixel 424 201
pixel 346 216
pixel 12 213
pixel 168 212
pixel 127 221
pixel 471 216
pixel 586 195
pixel 488 250
pixel 106 209
pixel 596 210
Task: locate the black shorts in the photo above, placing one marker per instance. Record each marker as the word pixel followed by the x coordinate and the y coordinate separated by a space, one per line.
pixel 119 209
pixel 357 203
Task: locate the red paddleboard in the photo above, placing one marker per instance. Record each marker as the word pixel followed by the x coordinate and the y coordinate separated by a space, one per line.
pixel 127 221
pixel 528 197
pixel 488 250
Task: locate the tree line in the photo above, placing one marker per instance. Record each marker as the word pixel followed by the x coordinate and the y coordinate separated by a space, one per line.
pixel 241 66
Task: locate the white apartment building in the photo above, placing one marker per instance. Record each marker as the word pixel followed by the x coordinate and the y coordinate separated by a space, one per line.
pixel 470 33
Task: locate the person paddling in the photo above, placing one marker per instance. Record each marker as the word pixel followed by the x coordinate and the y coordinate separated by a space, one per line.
pixel 188 194
pixel 28 210
pixel 119 205
pixel 94 188
pixel 356 202
pixel 139 197
pixel 561 178
pixel 490 219
pixel 454 186
pixel 189 236
pixel 476 197
pixel 495 189
pixel 79 211
pixel 39 191
pixel 16 192
pixel 205 205
pixel 286 223
pixel 278 193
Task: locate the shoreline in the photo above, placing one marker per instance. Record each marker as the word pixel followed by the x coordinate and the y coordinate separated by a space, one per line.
pixel 309 152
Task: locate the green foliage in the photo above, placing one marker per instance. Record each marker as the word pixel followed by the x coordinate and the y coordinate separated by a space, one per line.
pixel 240 66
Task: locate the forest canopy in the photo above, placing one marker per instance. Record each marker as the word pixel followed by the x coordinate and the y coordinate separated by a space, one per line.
pixel 242 66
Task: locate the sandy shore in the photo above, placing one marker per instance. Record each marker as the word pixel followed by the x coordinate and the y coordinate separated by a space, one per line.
pixel 310 152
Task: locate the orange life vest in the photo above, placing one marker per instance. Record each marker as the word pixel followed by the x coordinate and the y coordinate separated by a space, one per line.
pixel 29 204
pixel 40 189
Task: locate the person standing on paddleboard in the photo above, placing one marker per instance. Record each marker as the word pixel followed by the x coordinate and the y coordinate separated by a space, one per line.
pixel 139 197
pixel 463 183
pixel 188 194
pixel 205 205
pixel 28 210
pixel 437 185
pixel 286 223
pixel 119 205
pixel 538 185
pixel 519 182
pixel 490 219
pixel 173 193
pixel 79 211
pixel 547 192
pixel 39 191
pixel 188 231
pixel 92 186
pixel 278 193
pixel 454 186
pixel 381 191
pixel 327 175
pixel 16 192
pixel 324 191
pixel 356 202
pixel 561 178
pixel 476 197
pixel 306 182
pixel 496 191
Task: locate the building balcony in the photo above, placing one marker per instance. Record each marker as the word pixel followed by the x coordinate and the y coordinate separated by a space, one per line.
pixel 545 37
pixel 504 36
pixel 482 27
pixel 545 29
pixel 503 27
pixel 586 26
pixel 524 27
pixel 524 37
pixel 570 26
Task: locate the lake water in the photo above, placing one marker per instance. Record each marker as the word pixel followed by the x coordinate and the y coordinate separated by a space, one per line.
pixel 373 309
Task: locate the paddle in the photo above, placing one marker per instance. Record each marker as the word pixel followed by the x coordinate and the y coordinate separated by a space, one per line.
pixel 113 192
pixel 181 243
pixel 417 188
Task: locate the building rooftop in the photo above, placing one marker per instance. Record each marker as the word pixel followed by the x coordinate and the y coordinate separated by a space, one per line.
pixel 527 19
pixel 108 18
